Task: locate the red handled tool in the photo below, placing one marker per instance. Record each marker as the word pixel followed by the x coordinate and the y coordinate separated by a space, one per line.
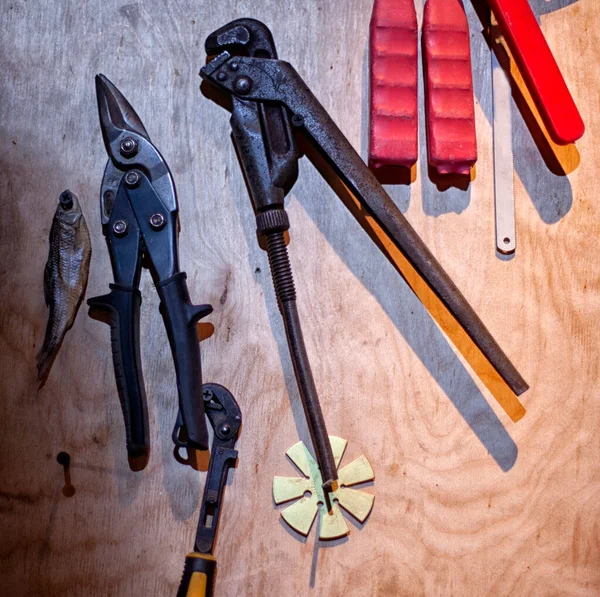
pixel 450 113
pixel 393 54
pixel 539 69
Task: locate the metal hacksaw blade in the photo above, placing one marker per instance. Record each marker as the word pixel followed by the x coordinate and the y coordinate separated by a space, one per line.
pixel 503 157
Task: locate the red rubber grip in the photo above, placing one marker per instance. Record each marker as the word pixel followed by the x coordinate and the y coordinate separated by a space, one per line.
pixel 393 55
pixel 451 142
pixel 539 69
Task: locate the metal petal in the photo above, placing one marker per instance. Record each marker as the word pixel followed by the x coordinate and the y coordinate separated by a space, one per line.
pixel 332 524
pixel 301 515
pixel 358 471
pixel 357 503
pixel 302 458
pixel 338 447
pixel 289 488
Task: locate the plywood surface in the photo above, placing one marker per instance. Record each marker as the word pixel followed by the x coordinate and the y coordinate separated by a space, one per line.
pixel 467 502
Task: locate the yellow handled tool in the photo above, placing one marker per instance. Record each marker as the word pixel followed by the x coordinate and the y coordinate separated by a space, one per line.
pixel 225 417
pixel 198 576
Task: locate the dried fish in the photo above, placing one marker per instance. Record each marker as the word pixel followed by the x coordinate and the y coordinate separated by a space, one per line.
pixel 65 277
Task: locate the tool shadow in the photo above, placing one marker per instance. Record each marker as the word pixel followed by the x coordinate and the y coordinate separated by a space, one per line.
pixel 410 318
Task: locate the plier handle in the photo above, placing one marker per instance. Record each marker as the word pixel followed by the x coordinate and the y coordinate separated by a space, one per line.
pixel 140 221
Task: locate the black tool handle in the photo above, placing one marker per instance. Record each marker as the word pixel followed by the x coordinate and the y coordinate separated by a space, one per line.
pixel 180 318
pixel 121 310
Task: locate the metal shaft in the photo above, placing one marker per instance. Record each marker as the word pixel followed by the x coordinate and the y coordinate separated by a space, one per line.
pixel 286 296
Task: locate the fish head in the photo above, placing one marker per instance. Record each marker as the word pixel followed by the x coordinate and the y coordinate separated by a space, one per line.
pixel 68 211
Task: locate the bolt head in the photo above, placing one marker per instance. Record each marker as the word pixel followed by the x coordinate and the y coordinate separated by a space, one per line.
pixel 132 178
pixel 129 147
pixel 120 228
pixel 234 66
pixel 243 85
pixel 225 429
pixel 221 76
pixel 157 221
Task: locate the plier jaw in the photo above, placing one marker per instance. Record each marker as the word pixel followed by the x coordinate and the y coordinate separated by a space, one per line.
pixel 140 222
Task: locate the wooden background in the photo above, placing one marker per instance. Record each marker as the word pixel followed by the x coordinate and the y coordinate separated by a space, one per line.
pixel 467 502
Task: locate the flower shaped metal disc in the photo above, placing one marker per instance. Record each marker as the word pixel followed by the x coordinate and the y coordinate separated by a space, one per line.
pixel 301 515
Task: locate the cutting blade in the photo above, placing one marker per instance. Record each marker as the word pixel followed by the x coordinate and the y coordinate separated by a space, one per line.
pixel 503 158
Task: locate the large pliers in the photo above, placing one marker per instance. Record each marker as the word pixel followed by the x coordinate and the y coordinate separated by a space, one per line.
pixel 139 211
pixel 272 107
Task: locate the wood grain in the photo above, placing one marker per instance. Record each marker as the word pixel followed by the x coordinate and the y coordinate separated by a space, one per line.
pixel 467 502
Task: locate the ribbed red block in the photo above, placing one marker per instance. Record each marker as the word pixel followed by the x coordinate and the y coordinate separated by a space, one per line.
pixel 393 126
pixel 451 142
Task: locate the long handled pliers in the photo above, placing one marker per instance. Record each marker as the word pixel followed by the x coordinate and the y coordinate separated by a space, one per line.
pixel 139 211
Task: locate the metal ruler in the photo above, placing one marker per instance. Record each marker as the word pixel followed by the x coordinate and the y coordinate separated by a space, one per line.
pixel 503 158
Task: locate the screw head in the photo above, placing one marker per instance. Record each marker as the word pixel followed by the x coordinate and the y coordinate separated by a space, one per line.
pixel 243 85
pixel 129 147
pixel 298 120
pixel 225 429
pixel 120 228
pixel 157 221
pixel 132 178
pixel 221 76
pixel 234 66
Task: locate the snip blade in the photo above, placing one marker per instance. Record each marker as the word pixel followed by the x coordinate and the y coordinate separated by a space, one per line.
pixel 503 160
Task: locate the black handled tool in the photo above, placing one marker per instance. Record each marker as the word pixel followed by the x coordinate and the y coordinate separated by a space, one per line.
pixel 264 140
pixel 267 94
pixel 138 207
pixel 225 418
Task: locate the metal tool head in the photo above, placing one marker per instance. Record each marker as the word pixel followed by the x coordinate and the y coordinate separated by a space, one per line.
pixel 247 37
pixel 262 133
pixel 129 147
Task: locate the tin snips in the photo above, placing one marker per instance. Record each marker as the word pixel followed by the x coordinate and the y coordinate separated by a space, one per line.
pixel 139 212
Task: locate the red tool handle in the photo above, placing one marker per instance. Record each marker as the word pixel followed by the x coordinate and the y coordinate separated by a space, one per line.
pixel 451 139
pixel 393 51
pixel 539 69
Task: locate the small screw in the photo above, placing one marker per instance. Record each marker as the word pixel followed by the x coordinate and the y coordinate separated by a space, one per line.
pixel 129 147
pixel 208 394
pixel 120 228
pixel 243 85
pixel 221 76
pixel 234 66
pixel 132 178
pixel 298 120
pixel 225 429
pixel 157 221
pixel 220 451
pixel 238 418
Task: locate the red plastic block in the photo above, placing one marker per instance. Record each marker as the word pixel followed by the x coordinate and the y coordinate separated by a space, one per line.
pixel 393 59
pixel 451 142
pixel 539 69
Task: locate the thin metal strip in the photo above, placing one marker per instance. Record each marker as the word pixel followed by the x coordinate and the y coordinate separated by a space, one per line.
pixel 503 161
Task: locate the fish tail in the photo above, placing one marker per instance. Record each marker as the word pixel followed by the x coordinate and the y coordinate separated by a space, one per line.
pixel 45 359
